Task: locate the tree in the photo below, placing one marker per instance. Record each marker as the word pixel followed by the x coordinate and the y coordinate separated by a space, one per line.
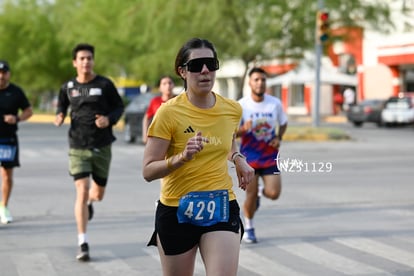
pixel 139 38
pixel 28 42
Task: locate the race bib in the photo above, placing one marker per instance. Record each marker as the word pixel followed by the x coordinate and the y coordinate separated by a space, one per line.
pixel 7 152
pixel 204 208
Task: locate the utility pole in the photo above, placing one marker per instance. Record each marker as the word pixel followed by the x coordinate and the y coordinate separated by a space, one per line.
pixel 321 35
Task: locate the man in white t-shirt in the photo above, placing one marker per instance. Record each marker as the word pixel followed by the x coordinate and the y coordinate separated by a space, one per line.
pixel 349 98
pixel 261 130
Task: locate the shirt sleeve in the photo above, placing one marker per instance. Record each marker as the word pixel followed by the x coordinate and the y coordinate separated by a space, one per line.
pixel 282 118
pixel 163 124
pixel 116 103
pixel 150 109
pixel 63 100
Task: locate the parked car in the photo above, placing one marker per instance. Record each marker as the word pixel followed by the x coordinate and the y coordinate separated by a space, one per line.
pixel 366 111
pixel 134 112
pixel 398 110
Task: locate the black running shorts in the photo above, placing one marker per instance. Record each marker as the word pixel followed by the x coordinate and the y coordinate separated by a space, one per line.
pixel 13 141
pixel 267 171
pixel 177 238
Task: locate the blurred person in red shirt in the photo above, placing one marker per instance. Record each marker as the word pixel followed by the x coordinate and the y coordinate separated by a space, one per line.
pixel 338 102
pixel 165 86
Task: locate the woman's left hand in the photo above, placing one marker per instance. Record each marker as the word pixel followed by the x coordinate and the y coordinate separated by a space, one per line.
pixel 245 173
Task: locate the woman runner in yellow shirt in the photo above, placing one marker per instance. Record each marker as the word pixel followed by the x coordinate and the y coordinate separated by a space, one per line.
pixel 189 143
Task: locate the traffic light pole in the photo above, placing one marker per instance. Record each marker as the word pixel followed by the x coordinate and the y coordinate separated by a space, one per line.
pixel 317 88
pixel 316 98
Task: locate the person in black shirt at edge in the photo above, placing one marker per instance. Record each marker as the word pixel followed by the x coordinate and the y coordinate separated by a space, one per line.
pixel 12 99
pixel 95 107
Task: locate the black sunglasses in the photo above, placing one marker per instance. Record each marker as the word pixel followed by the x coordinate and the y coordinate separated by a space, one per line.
pixel 196 65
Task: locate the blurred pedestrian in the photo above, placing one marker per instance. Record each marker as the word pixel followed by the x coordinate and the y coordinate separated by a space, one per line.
pixel 12 99
pixel 165 86
pixel 262 128
pixel 95 107
pixel 189 142
pixel 338 102
pixel 349 98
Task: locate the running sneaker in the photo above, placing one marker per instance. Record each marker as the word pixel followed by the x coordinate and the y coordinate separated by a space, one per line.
pixel 257 202
pixel 249 236
pixel 83 254
pixel 90 211
pixel 5 215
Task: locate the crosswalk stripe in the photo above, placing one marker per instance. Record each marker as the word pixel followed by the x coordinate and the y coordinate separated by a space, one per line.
pixel 108 263
pixel 330 260
pixel 27 264
pixel 264 266
pixel 29 154
pixel 400 212
pixel 406 239
pixel 112 265
pixel 43 152
pixel 379 249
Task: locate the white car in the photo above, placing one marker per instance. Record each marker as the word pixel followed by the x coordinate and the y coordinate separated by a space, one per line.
pixel 398 110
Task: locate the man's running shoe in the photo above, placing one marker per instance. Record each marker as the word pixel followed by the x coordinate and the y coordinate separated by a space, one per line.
pixel 5 215
pixel 83 254
pixel 90 211
pixel 258 202
pixel 249 236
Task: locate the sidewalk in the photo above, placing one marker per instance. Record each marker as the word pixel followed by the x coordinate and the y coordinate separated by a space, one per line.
pixel 294 133
pixel 42 118
pixel 325 119
pixel 49 118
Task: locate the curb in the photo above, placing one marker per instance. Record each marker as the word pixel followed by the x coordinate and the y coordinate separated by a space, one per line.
pixel 50 118
pixel 326 119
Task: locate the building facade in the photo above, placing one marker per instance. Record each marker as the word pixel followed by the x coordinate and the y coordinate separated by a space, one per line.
pixel 372 64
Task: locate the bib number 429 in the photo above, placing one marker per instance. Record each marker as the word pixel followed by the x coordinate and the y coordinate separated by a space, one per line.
pixel 204 208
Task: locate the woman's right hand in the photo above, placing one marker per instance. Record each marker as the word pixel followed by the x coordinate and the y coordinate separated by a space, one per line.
pixel 194 145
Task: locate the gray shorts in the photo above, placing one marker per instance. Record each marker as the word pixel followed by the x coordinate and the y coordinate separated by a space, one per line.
pixel 90 161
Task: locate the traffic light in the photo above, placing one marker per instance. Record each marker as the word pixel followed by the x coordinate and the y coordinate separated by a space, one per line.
pixel 322 27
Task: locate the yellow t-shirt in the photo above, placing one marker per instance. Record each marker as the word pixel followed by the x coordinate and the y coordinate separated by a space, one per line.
pixel 177 120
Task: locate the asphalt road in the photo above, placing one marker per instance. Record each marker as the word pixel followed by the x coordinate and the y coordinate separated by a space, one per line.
pixel 346 209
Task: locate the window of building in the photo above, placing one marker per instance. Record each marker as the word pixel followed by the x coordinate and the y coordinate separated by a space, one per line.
pixel 276 91
pixel 408 80
pixel 297 95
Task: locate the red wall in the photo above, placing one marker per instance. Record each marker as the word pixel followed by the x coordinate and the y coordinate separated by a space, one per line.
pixel 352 39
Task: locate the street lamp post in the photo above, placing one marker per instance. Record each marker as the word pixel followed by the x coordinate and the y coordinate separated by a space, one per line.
pixel 319 39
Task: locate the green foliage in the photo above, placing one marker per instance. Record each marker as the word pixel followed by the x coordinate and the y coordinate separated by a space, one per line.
pixel 139 38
